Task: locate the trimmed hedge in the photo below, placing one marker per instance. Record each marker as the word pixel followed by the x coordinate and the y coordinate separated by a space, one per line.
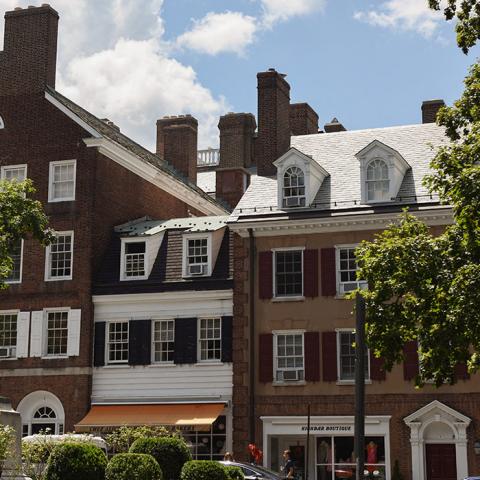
pixel 76 461
pixel 233 472
pixel 170 453
pixel 133 466
pixel 204 470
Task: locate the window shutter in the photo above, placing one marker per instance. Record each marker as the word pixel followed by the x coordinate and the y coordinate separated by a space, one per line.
pixel 36 334
pixel 265 356
pixel 73 340
pixel 329 356
pixel 23 329
pixel 99 345
pixel 185 348
pixel 310 273
pixel 265 275
pixel 461 371
pixel 227 339
pixel 410 360
pixel 139 342
pixel 377 370
pixel 329 274
pixel 312 356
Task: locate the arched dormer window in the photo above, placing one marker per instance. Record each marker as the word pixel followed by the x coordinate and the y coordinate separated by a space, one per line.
pixel 294 187
pixel 378 183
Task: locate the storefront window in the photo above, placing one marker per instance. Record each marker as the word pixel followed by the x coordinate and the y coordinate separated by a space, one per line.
pixel 208 445
pixel 336 459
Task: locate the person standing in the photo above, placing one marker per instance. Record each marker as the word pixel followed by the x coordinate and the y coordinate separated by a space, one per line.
pixel 289 467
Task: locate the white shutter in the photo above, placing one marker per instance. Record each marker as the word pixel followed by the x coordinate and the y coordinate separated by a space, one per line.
pixel 23 327
pixel 36 334
pixel 73 345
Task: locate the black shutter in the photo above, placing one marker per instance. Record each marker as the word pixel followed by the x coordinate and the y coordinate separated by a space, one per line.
pixel 227 339
pixel 185 349
pixel 139 342
pixel 99 345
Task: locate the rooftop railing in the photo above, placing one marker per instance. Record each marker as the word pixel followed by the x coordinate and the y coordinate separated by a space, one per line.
pixel 208 158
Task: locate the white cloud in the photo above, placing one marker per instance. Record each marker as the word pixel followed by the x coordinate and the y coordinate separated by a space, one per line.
pixel 220 32
pixel 411 15
pixel 281 10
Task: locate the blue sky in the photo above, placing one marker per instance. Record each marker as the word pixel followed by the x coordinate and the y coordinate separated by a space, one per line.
pixel 369 63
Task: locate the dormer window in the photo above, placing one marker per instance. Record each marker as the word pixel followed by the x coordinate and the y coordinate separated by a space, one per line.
pixel 378 184
pixel 197 256
pixel 134 260
pixel 293 187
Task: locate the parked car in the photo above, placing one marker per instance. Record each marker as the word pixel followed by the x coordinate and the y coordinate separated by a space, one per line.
pixel 254 472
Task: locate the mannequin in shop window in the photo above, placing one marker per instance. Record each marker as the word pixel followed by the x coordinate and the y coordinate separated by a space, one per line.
pixel 371 449
pixel 324 456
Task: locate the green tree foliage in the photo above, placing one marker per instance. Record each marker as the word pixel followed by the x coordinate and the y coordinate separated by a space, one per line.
pixel 170 452
pixel 467 13
pixel 20 216
pixel 35 456
pixel 133 466
pixel 424 287
pixel 203 470
pixel 7 441
pixel 234 473
pixel 121 439
pixel 76 461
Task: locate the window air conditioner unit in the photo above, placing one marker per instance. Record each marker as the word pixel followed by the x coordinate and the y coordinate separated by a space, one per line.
pixel 290 375
pixel 6 352
pixel 292 202
pixel 350 286
pixel 197 269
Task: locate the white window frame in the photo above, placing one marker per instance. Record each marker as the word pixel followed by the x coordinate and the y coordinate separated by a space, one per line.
pixel 123 263
pixel 14 347
pixel 51 197
pixel 160 320
pixel 5 168
pixel 276 333
pixel 197 236
pixel 48 266
pixel 13 282
pixel 199 341
pixel 340 285
pixel 299 197
pixel 107 343
pixel 339 331
pixel 274 267
pixel 388 197
pixel 2 123
pixel 46 311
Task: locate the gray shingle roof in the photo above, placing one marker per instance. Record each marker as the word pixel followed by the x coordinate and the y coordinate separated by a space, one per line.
pixel 336 153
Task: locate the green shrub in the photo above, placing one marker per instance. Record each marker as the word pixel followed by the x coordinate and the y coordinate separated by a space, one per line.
pixel 76 461
pixel 170 453
pixel 203 470
pixel 121 439
pixel 234 473
pixel 133 466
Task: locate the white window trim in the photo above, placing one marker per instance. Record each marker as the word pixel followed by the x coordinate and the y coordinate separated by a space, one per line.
pixel 282 186
pixel 360 283
pixel 107 351
pixel 286 298
pixel 48 278
pixel 146 263
pixel 51 198
pixel 349 382
pixel 13 282
pixel 388 179
pixel 46 311
pixel 17 313
pixel 2 123
pixel 197 236
pixel 199 343
pixel 275 334
pixel 158 362
pixel 4 168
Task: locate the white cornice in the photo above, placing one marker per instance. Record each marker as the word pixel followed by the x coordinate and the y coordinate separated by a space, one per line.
pixel 355 221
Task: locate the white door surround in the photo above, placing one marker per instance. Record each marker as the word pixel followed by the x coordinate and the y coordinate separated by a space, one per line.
pixel 437 423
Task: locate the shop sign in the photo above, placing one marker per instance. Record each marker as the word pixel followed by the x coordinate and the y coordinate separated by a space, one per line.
pixel 328 428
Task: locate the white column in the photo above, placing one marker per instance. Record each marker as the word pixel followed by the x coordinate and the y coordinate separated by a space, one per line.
pixel 461 450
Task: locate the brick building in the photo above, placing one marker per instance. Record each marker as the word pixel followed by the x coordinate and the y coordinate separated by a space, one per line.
pixel 89 178
pixel 297 225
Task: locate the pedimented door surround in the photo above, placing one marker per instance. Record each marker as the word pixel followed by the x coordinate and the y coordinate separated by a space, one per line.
pixel 437 423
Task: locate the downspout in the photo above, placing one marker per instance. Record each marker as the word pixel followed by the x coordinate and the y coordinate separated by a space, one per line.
pixel 252 335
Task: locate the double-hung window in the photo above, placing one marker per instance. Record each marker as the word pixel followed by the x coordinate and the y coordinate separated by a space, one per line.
pixel 293 187
pixel 197 252
pixel 210 339
pixel 346 356
pixel 289 356
pixel 378 184
pixel 134 261
pixel 163 341
pixel 62 177
pixel 8 334
pixel 59 257
pixel 57 333
pixel 347 270
pixel 14 172
pixel 117 342
pixel 288 273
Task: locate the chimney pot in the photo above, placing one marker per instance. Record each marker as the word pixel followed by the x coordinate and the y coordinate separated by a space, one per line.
pixel 334 126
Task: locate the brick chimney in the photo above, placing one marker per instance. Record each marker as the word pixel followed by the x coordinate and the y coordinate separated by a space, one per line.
pixel 430 109
pixel 303 119
pixel 273 120
pixel 334 126
pixel 177 144
pixel 29 58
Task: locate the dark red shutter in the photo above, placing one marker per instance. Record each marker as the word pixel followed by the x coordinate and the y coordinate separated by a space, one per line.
pixel 329 276
pixel 265 357
pixel 310 273
pixel 312 356
pixel 410 361
pixel 329 356
pixel 461 372
pixel 265 275
pixel 377 370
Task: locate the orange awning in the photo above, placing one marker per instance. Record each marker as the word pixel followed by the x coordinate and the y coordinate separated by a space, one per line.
pixel 106 417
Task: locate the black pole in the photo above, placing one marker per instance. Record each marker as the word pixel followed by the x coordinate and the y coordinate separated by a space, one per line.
pixel 308 443
pixel 359 444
